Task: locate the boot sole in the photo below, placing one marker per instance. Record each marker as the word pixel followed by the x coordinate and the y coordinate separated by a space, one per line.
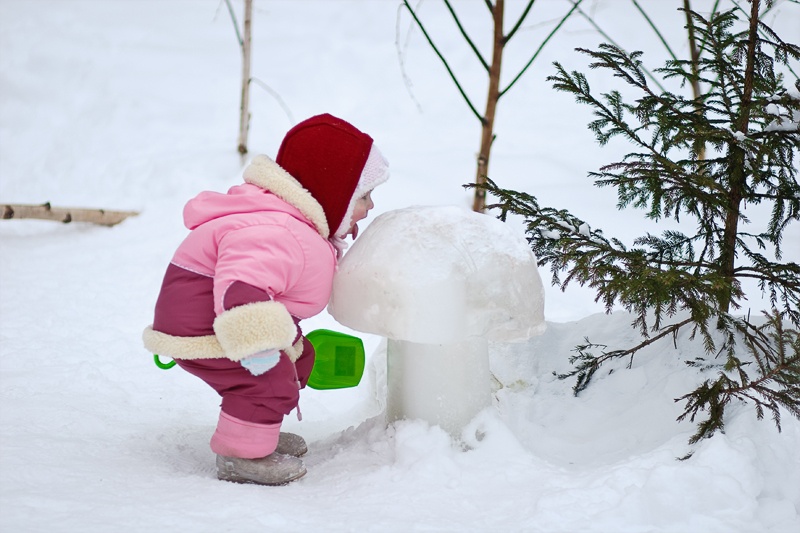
pixel 245 481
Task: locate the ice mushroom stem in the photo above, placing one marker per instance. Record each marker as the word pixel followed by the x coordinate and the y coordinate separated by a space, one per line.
pixel 444 384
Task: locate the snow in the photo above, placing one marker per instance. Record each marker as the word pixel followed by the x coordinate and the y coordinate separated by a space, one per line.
pixel 439 274
pixel 134 105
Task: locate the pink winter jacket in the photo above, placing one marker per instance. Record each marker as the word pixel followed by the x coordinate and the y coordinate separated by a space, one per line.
pixel 257 261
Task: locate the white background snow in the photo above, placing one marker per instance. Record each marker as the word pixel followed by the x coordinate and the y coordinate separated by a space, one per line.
pixel 133 104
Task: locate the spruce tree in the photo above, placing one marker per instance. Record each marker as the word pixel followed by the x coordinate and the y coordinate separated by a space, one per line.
pixel 698 161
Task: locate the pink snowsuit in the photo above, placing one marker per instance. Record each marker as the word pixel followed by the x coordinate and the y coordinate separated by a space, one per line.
pixel 257 261
pixel 252 267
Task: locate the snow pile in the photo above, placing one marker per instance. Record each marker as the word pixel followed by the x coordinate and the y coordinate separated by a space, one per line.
pixel 439 275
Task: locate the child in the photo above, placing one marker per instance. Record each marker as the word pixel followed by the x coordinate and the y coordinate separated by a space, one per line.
pixel 258 260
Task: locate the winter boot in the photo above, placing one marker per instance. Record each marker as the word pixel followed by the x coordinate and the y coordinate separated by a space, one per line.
pixel 291 444
pixel 274 469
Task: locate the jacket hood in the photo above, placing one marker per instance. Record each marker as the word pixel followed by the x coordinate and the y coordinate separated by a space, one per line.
pixel 240 199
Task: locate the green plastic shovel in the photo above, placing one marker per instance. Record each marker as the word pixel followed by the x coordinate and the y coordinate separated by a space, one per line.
pixel 339 360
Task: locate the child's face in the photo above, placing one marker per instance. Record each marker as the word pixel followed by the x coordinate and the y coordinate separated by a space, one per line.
pixel 360 211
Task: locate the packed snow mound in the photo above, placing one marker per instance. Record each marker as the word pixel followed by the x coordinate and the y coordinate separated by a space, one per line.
pixel 439 275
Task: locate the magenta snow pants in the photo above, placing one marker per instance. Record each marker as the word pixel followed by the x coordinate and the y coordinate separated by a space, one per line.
pixel 263 399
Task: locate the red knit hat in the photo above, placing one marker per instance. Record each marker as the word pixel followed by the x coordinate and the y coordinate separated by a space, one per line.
pixel 327 156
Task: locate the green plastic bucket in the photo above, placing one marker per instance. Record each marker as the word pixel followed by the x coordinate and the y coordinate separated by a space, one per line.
pixel 339 360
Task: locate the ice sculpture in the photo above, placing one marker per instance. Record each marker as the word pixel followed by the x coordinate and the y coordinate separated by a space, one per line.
pixel 439 283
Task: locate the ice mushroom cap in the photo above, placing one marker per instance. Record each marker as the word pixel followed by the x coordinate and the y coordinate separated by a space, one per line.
pixel 439 275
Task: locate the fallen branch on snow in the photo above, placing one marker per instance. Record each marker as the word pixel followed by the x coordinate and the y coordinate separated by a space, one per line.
pixel 45 211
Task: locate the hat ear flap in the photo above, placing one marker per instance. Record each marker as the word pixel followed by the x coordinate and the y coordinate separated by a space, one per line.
pixel 375 172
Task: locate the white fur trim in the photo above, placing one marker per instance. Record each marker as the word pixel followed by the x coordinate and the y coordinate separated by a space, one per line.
pixel 255 327
pixel 205 347
pixel 375 172
pixel 294 352
pixel 267 174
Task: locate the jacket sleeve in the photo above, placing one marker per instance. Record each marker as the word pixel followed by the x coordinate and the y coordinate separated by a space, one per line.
pixel 255 266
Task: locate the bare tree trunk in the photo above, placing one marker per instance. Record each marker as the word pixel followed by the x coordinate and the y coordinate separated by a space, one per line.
pixel 65 214
pixel 487 131
pixel 244 117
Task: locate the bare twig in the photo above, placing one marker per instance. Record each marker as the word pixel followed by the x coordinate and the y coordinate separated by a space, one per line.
pixel 235 22
pixel 277 98
pixel 466 36
pixel 541 46
pixel 444 62
pixel 244 116
pixel 655 29
pixel 519 21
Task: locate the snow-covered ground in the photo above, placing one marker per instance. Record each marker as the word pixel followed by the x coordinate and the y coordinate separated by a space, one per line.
pixel 133 104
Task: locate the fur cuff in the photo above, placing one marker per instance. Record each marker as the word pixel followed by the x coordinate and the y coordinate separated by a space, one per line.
pixel 294 352
pixel 267 174
pixel 255 327
pixel 205 347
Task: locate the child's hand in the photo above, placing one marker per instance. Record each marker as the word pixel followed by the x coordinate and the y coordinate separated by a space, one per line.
pixel 260 362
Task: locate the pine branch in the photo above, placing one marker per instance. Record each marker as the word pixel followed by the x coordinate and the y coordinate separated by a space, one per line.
pixel 608 39
pixel 664 274
pixel 587 364
pixel 776 354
